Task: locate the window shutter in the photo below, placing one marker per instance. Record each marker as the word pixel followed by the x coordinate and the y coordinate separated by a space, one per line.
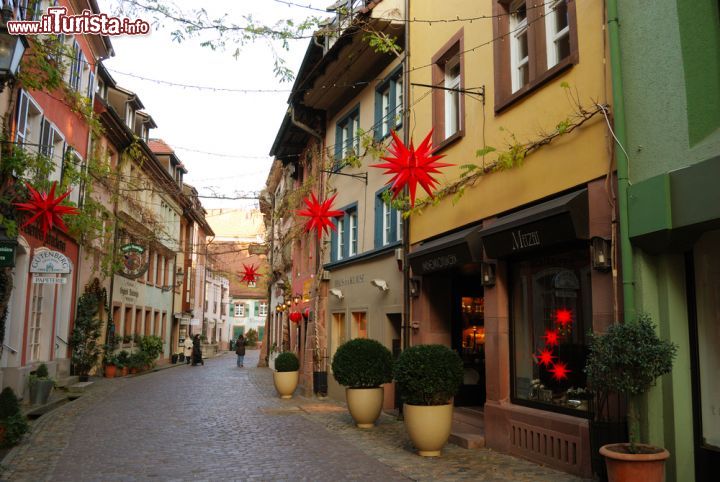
pixel 338 146
pixel 333 243
pixel 378 219
pixel 378 116
pixel 257 309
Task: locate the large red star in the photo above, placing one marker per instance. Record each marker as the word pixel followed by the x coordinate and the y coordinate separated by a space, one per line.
pixel 563 317
pixel 320 214
pixel 46 207
pixel 250 274
pixel 411 167
pixel 545 357
pixel 551 337
pixel 559 371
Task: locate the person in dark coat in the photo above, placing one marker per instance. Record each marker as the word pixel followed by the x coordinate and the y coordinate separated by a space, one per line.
pixel 197 351
pixel 240 350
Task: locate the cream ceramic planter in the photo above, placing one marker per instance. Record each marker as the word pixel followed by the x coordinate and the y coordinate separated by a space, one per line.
pixel 428 427
pixel 365 405
pixel 285 383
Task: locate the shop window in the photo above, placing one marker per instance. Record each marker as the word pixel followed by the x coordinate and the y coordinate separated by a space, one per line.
pixel 551 313
pixel 127 321
pixel 473 318
pixel 338 332
pixel 359 326
pixel 707 295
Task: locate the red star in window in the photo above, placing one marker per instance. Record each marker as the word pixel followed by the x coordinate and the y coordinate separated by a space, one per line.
pixel 46 208
pixel 411 167
pixel 563 317
pixel 551 337
pixel 250 274
pixel 545 357
pixel 320 214
pixel 559 371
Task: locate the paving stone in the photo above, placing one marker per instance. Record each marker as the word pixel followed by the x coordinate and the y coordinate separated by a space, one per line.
pixel 220 422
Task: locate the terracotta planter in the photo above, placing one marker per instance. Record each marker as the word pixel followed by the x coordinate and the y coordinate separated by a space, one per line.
pixel 365 405
pixel 623 466
pixel 133 371
pixel 428 427
pixel 285 383
pixel 125 371
pixel 110 371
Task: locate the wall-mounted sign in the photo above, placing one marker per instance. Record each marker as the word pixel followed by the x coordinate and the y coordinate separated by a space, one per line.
pixel 195 322
pixel 46 261
pixel 134 260
pixel 7 254
pixel 49 280
pixel 257 249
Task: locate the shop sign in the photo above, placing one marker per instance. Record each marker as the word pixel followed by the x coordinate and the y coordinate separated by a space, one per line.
pixel 530 237
pixel 7 254
pixel 257 249
pixel 46 261
pixel 445 259
pixel 350 280
pixel 49 280
pixel 134 260
pixel 195 322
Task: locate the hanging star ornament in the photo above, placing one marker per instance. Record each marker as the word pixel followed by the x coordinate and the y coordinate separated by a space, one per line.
pixel 411 167
pixel 320 214
pixel 46 208
pixel 563 317
pixel 559 371
pixel 545 357
pixel 250 274
pixel 551 337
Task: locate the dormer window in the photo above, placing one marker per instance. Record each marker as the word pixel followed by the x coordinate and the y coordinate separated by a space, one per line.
pixel 130 116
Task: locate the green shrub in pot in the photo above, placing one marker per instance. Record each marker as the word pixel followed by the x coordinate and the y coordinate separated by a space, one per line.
pixel 362 363
pixel 428 374
pixel 287 362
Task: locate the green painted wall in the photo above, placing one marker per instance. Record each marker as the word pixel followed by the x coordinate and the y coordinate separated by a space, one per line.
pixel 671 74
pixel 671 70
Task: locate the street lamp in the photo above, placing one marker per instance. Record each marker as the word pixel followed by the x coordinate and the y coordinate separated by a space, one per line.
pixel 12 48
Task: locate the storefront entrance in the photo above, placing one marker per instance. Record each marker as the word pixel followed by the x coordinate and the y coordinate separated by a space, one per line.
pixel 468 338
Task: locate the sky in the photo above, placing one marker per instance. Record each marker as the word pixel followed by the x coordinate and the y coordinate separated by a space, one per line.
pixel 240 126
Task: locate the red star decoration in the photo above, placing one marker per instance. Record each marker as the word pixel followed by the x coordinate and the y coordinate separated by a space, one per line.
pixel 412 166
pixel 320 214
pixel 545 357
pixel 250 274
pixel 295 316
pixel 551 337
pixel 46 207
pixel 563 317
pixel 559 371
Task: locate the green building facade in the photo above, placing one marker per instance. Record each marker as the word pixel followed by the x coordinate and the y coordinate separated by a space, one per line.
pixel 670 73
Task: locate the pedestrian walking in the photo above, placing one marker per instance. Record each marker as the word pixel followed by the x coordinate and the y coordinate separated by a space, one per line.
pixel 240 350
pixel 188 349
pixel 197 351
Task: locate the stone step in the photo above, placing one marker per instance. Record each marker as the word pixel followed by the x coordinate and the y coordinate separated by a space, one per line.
pixel 36 411
pixel 467 440
pixel 469 417
pixel 79 387
pixel 66 381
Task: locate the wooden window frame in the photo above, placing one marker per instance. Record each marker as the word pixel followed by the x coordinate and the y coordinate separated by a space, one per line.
pixel 453 47
pixel 537 51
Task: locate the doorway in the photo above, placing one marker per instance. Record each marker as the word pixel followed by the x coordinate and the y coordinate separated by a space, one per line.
pixel 468 337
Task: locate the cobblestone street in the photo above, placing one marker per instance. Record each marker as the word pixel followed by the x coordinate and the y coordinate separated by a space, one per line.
pixel 220 422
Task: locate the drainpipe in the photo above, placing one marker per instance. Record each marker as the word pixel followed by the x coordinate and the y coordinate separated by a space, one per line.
pixel 405 328
pixel 302 126
pixel 626 253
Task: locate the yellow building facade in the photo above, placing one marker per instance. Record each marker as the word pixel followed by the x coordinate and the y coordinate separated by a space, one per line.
pixel 513 265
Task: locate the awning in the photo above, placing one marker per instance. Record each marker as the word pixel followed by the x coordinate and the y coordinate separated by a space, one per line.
pixel 557 221
pixel 447 252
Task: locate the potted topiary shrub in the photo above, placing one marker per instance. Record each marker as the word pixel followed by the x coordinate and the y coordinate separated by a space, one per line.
pixel 12 423
pixel 285 376
pixel 40 385
pixel 123 362
pixel 362 366
pixel 428 377
pixel 628 359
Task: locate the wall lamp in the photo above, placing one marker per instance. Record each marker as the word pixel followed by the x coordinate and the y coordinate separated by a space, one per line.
pixel 487 272
pixel 600 249
pixel 380 284
pixel 296 298
pixel 337 293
